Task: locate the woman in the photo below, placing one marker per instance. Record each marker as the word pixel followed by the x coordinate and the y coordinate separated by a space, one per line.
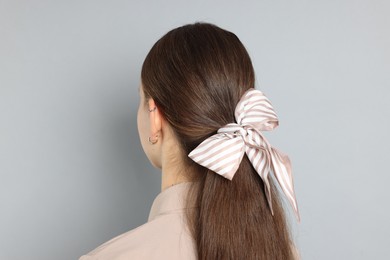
pixel 200 121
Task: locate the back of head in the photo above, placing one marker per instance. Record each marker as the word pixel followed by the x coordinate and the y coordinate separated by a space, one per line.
pixel 197 74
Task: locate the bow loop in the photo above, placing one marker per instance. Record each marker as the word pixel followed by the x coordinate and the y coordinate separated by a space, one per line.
pixel 221 153
pixel 255 109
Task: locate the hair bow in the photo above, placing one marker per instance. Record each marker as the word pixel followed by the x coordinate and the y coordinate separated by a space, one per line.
pixel 223 152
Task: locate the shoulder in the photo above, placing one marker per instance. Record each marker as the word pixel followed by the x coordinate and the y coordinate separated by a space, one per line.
pixel 165 237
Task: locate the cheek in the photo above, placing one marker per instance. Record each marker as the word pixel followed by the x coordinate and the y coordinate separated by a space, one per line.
pixel 139 123
pixel 142 127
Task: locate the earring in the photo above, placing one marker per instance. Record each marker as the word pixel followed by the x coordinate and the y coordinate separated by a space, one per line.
pixel 153 141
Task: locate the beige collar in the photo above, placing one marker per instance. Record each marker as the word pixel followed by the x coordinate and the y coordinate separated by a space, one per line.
pixel 170 200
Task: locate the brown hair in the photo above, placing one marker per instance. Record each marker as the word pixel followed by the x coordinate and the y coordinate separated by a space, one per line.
pixel 196 75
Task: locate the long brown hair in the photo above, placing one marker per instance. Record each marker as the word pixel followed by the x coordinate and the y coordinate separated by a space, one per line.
pixel 196 75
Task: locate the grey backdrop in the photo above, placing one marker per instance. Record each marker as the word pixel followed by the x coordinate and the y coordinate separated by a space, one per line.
pixel 73 173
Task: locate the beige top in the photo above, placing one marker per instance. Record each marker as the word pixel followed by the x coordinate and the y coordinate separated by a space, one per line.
pixel 164 236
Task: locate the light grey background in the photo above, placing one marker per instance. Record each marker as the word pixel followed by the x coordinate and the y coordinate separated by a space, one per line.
pixel 73 173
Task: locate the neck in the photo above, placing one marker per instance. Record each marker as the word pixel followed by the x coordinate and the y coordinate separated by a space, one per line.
pixel 172 170
pixel 171 176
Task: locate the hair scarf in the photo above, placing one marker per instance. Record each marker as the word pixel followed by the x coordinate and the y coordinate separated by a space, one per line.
pixel 223 151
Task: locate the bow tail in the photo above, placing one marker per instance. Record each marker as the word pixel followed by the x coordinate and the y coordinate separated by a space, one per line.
pixel 260 160
pixel 281 166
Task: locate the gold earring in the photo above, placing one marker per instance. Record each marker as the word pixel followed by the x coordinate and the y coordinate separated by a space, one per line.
pixel 153 141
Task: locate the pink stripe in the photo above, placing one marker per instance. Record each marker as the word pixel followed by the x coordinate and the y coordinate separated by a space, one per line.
pixel 195 153
pixel 237 144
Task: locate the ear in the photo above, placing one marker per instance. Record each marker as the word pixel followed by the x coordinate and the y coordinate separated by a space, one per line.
pixel 155 117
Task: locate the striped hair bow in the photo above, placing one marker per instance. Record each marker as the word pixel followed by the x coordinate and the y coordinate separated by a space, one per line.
pixel 223 152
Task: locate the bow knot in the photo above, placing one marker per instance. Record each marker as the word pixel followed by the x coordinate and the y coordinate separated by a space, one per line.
pixel 250 135
pixel 233 129
pixel 223 152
